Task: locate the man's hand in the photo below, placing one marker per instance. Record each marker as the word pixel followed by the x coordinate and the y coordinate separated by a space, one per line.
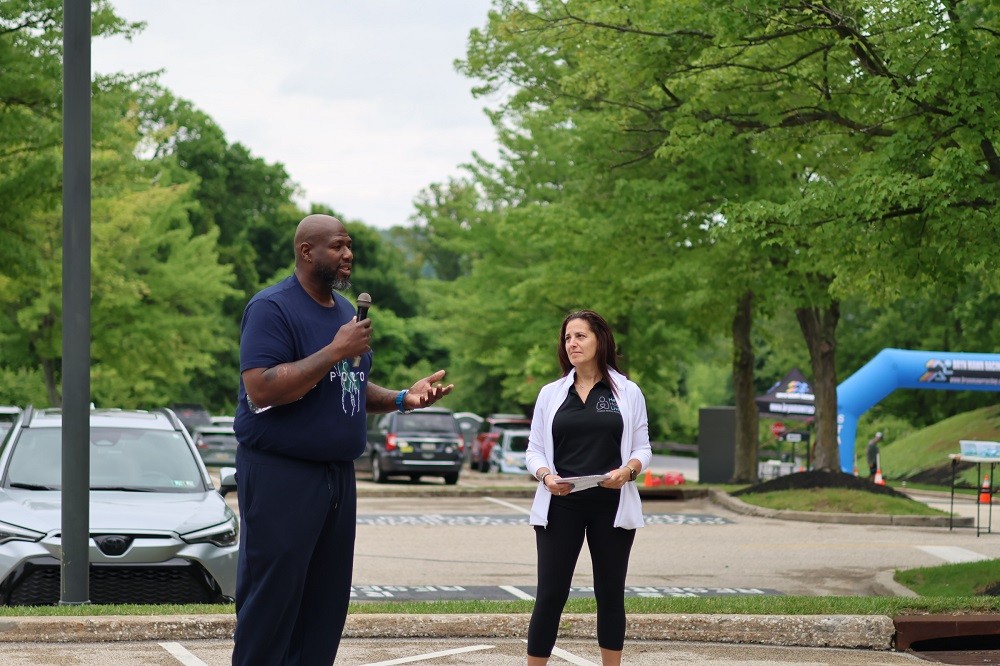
pixel 427 391
pixel 353 339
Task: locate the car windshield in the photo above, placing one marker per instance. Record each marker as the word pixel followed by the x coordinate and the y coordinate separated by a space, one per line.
pixel 120 459
pixel 217 438
pixel 427 422
pixel 518 425
pixel 517 443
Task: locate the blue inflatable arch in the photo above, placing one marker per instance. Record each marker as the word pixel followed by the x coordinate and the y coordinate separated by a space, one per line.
pixel 903 368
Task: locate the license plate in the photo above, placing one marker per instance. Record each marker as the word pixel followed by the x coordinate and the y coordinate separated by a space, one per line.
pixel 428 447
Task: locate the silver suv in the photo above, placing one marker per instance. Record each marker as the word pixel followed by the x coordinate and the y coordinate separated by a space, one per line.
pixel 159 531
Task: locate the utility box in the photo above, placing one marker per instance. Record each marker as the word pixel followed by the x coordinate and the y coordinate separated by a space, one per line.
pixel 716 444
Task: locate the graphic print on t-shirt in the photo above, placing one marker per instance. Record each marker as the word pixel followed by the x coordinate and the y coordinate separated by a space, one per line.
pixel 350 387
pixel 607 405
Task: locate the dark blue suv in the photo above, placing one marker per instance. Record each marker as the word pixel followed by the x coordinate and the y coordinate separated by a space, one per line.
pixel 426 442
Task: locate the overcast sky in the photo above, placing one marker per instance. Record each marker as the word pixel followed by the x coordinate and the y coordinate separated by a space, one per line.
pixel 358 99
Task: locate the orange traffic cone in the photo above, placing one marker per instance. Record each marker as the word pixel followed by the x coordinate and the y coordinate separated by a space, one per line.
pixel 985 493
pixel 648 480
pixel 879 481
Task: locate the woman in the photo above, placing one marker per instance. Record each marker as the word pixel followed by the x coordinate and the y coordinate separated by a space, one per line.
pixel 592 421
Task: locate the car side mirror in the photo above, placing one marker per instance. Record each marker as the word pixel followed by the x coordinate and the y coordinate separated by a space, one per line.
pixel 227 480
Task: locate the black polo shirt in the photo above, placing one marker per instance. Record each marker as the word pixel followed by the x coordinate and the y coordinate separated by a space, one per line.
pixel 587 436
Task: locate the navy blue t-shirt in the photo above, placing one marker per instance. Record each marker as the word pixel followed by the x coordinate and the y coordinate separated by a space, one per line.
pixel 282 324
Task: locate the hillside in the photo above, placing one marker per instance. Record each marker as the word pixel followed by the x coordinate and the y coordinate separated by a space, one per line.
pixel 922 457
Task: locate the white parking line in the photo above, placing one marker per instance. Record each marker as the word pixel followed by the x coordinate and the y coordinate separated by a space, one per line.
pixel 517 592
pixel 508 505
pixel 572 658
pixel 953 554
pixel 431 655
pixel 569 656
pixel 177 650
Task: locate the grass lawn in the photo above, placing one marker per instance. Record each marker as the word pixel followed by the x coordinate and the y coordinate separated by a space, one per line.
pixel 840 500
pixel 743 605
pixel 954 580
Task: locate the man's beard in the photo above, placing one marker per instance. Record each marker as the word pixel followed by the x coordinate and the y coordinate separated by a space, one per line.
pixel 333 279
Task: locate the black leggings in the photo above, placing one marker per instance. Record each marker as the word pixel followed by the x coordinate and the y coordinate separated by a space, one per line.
pixel 559 547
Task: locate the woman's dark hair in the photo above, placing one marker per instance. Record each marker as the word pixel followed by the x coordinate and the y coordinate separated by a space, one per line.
pixel 606 356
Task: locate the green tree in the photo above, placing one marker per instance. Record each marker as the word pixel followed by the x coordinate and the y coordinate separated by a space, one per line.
pixel 869 137
pixel 31 115
pixel 156 286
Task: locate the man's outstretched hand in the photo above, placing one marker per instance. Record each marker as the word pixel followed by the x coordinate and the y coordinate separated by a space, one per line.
pixel 427 391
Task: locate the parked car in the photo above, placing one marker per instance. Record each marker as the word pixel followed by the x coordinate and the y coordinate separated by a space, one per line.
pixel 8 414
pixel 489 435
pixel 159 532
pixel 469 424
pixel 191 414
pixel 426 442
pixel 507 455
pixel 216 444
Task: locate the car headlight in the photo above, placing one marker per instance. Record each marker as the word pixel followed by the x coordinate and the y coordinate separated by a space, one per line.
pixel 226 534
pixel 10 532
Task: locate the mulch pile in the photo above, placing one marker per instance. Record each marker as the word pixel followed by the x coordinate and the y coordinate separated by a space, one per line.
pixel 818 479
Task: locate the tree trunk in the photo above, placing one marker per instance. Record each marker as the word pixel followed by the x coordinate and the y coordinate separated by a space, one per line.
pixel 48 370
pixel 819 328
pixel 745 468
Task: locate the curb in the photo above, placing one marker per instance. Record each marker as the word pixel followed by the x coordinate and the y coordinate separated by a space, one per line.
pixel 872 632
pixel 733 504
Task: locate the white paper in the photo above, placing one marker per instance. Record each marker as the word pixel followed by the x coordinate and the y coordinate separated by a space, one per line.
pixel 584 482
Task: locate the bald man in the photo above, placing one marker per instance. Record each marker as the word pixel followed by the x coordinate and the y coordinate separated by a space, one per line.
pixel 300 422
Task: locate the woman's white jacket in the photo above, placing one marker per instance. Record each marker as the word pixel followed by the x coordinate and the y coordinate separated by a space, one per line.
pixel 635 444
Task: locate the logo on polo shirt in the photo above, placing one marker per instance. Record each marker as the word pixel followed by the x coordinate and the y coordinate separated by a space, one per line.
pixel 350 387
pixel 609 405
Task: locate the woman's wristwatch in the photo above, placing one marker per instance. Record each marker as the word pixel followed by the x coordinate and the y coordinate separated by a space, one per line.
pixel 632 474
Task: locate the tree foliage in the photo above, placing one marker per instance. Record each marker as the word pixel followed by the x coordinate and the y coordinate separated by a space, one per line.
pixel 806 152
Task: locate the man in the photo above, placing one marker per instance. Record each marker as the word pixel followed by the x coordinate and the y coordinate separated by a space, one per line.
pixel 304 393
pixel 871 454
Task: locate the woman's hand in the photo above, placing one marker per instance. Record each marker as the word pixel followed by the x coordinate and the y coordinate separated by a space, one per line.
pixel 556 486
pixel 617 478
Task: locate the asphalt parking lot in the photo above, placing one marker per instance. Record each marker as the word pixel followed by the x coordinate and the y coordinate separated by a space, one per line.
pixel 691 547
pixel 473 541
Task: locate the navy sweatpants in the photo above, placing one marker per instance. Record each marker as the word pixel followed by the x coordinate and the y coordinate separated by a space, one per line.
pixel 298 521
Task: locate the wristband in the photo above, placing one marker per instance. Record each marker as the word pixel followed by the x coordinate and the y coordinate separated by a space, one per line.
pixel 632 474
pixel 542 480
pixel 399 402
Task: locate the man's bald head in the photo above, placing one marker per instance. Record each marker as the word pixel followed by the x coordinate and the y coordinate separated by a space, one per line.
pixel 316 230
pixel 323 256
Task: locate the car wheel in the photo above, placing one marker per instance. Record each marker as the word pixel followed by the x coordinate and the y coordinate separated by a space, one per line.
pixel 414 478
pixel 377 475
pixel 451 479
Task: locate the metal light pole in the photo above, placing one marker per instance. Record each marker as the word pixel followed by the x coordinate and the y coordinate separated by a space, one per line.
pixel 76 304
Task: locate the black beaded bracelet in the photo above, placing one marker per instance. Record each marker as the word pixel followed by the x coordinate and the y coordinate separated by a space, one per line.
pixel 542 480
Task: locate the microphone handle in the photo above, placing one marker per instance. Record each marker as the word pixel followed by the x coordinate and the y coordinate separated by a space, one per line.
pixel 362 315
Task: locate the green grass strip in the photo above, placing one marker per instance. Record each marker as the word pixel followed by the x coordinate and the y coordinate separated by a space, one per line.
pixel 739 605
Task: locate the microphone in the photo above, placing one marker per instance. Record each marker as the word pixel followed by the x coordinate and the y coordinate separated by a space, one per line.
pixel 364 302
